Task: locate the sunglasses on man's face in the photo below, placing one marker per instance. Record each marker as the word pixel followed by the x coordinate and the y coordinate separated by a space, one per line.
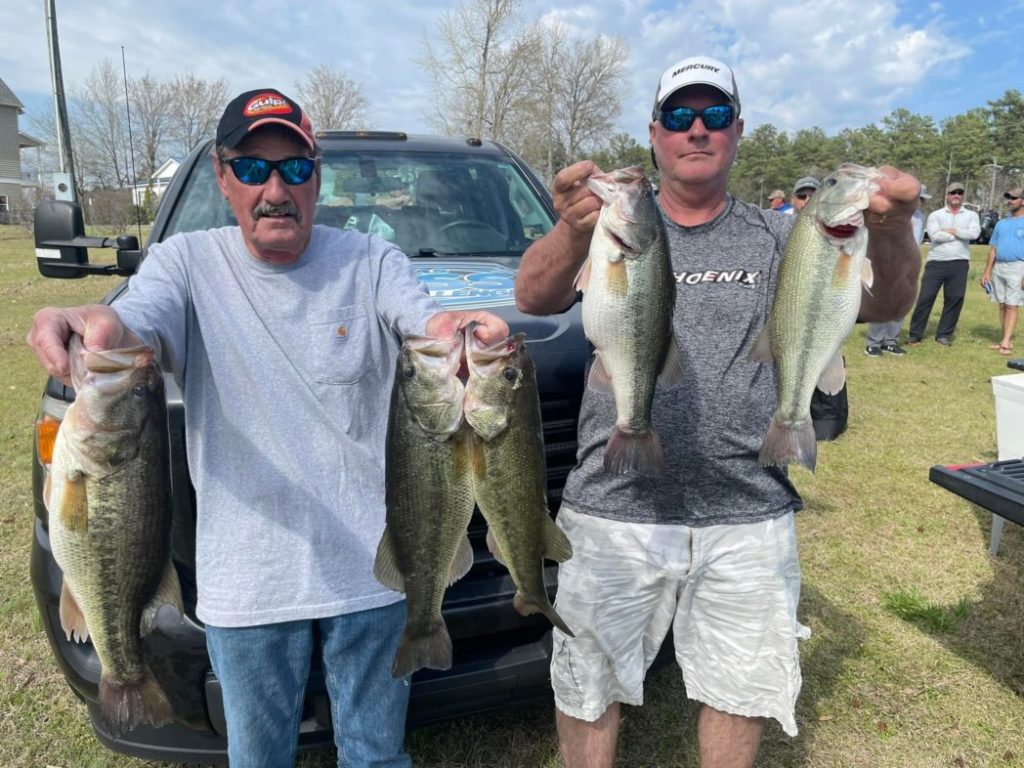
pixel 1010 197
pixel 803 195
pixel 255 170
pixel 714 118
pixel 955 192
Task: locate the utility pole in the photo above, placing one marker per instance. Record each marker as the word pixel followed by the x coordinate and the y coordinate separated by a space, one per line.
pixel 67 165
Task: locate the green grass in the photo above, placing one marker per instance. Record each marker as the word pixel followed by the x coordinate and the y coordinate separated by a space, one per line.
pixel 917 653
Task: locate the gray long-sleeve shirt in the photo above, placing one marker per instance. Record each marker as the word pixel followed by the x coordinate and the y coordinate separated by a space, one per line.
pixel 286 373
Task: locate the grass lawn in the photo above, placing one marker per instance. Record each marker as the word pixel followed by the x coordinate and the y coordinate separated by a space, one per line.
pixel 917 653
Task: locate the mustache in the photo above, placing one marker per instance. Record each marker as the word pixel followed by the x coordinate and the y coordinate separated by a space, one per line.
pixel 272 209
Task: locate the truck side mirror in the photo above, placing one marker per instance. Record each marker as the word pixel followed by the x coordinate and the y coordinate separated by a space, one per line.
pixel 62 249
pixel 56 225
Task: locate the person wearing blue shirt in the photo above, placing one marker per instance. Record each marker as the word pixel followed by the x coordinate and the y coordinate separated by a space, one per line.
pixel 1004 272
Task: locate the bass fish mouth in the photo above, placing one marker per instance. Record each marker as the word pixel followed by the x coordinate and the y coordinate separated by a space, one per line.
pixel 843 229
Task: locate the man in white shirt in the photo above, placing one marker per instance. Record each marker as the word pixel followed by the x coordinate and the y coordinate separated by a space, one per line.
pixel 950 231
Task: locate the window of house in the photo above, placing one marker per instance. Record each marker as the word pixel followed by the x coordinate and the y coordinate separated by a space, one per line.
pixel 3 204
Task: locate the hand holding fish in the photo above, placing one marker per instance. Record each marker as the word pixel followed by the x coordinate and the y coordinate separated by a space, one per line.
pixel 891 207
pixel 575 203
pixel 489 327
pixel 52 327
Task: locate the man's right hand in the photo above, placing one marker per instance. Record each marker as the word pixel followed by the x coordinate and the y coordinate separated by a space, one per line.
pixel 98 325
pixel 575 204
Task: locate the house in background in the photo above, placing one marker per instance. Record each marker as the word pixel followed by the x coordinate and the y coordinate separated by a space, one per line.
pixel 158 182
pixel 12 141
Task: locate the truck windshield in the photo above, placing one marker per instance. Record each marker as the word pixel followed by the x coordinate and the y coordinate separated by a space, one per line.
pixel 424 202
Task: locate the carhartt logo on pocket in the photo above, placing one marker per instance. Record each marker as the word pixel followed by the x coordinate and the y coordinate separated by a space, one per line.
pixel 342 331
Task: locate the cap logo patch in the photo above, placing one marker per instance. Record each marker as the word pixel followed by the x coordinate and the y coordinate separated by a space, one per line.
pixel 266 104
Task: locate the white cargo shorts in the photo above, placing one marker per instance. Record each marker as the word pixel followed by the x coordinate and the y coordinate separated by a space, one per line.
pixel 729 593
pixel 1008 283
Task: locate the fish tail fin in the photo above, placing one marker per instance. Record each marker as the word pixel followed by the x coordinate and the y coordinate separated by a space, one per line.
pixel 789 443
pixel 124 706
pixel 526 606
pixel 634 452
pixel 433 649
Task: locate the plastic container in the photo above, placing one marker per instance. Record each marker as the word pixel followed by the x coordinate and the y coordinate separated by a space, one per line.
pixel 1009 394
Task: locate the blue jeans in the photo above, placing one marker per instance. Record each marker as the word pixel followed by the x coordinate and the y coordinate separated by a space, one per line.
pixel 263 670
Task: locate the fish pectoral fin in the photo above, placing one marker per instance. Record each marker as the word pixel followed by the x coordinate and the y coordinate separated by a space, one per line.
pixel 672 369
pixel 72 620
pixel 833 378
pixel 557 546
pixel 74 505
pixel 867 275
pixel 168 593
pixel 599 379
pixel 494 549
pixel 385 566
pixel 463 561
pixel 582 281
pixel 761 352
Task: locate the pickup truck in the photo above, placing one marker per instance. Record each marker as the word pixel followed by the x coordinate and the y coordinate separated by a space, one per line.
pixel 463 210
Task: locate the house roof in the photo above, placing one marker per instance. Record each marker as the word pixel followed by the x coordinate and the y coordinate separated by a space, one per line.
pixel 25 141
pixel 8 99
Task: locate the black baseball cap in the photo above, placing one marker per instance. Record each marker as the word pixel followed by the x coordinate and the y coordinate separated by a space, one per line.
pixel 264 106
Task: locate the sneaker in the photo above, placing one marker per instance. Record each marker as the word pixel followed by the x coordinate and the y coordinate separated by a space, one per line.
pixel 873 351
pixel 894 349
pixel 944 341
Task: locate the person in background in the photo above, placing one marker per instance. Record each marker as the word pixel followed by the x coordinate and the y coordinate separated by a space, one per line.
pixel 802 191
pixel 306 320
pixel 708 548
pixel 950 232
pixel 1004 271
pixel 885 337
pixel 777 202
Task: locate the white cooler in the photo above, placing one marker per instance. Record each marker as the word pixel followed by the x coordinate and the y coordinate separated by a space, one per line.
pixel 1009 394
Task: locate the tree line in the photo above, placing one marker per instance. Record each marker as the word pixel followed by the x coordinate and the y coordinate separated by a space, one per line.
pixel 552 97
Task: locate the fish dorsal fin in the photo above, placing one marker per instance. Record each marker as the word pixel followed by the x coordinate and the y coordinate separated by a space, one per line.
pixel 72 620
pixel 385 566
pixel 672 369
pixel 834 376
pixel 761 352
pixel 599 379
pixel 582 281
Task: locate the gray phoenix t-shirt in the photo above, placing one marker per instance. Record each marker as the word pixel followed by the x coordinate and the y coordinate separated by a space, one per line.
pixel 712 423
pixel 286 373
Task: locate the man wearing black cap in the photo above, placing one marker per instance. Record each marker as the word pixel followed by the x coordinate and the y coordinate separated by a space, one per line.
pixel 305 321
pixel 709 547
pixel 950 232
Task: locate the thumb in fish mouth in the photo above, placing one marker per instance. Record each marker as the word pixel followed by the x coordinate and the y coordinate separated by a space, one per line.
pixel 272 209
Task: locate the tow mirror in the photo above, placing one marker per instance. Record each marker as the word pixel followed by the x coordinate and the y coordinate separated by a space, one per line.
pixel 62 249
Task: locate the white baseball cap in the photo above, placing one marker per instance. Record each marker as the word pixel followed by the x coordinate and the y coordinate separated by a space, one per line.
pixel 696 70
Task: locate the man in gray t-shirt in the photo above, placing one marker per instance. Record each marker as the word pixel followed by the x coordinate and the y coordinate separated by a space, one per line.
pixel 708 548
pixel 284 338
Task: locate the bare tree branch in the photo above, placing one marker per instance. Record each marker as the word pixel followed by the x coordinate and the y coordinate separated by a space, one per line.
pixel 332 101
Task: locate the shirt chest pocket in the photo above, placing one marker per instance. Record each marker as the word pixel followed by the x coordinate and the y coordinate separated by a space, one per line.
pixel 341 346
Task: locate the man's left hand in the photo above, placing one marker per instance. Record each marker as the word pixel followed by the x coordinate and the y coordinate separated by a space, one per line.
pixel 894 202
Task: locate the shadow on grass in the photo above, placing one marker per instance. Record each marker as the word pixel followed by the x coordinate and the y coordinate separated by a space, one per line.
pixel 990 634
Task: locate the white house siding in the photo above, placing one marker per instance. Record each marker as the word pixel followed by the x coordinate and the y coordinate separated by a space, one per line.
pixel 10 156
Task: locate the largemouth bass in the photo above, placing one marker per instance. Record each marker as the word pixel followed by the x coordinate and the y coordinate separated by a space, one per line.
pixel 509 480
pixel 628 298
pixel 429 497
pixel 816 304
pixel 110 523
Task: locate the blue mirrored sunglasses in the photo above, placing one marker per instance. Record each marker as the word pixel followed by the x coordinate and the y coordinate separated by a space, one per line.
pixel 714 118
pixel 256 170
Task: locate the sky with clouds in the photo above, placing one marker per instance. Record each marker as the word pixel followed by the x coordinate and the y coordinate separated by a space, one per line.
pixel 827 63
